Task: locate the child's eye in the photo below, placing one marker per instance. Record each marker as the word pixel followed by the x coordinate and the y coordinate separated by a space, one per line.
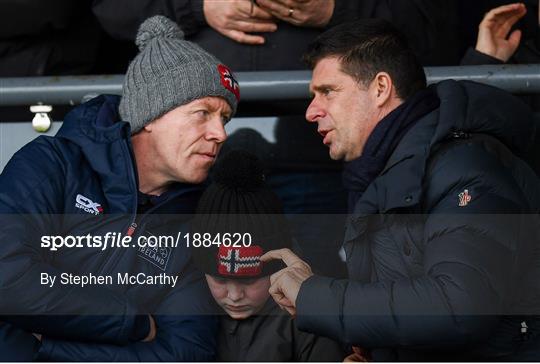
pixel 219 280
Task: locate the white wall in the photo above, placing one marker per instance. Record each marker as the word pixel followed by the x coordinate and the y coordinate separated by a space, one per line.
pixel 13 135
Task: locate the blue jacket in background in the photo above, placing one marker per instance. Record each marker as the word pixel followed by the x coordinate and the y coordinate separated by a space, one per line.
pixel 40 194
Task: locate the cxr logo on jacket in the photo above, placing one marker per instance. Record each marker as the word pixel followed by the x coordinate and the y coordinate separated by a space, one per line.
pixel 87 205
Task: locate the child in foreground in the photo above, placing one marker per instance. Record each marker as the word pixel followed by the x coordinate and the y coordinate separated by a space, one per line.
pixel 253 327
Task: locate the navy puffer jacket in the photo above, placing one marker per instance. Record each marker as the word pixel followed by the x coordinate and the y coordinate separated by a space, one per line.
pixel 443 248
pixel 40 194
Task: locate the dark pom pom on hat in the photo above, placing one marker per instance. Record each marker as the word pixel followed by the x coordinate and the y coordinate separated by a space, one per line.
pixel 239 202
pixel 239 169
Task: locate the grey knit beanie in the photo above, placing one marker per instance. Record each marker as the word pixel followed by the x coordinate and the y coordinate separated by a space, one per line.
pixel 169 72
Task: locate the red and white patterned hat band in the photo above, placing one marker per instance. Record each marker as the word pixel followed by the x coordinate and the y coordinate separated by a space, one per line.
pixel 243 261
pixel 228 80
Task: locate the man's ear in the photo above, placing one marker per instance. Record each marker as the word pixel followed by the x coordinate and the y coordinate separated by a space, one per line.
pixel 383 88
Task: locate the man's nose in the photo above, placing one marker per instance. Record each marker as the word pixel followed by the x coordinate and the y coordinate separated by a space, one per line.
pixel 314 111
pixel 216 131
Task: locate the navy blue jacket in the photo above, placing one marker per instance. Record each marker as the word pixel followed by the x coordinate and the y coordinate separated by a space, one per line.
pixel 443 247
pixel 40 194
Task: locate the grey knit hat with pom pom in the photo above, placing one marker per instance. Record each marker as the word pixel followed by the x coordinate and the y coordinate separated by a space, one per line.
pixel 169 72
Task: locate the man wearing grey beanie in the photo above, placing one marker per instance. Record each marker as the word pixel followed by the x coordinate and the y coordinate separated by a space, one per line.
pixel 171 85
pixel 115 164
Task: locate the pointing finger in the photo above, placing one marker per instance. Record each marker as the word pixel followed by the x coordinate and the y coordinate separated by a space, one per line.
pixel 286 255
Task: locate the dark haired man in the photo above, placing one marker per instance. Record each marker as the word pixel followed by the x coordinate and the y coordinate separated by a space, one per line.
pixel 442 244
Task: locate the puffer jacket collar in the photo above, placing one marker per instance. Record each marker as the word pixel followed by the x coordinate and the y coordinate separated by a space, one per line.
pixel 105 141
pixel 94 122
pixel 466 108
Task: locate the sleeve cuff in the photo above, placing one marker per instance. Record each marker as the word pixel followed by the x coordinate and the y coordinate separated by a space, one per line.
pixel 45 350
pixel 473 57
pixel 141 328
pixel 132 326
pixel 319 308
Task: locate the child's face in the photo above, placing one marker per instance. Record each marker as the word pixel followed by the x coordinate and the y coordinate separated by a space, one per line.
pixel 240 298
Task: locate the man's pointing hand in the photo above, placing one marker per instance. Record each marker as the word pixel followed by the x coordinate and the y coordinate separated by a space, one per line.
pixel 286 283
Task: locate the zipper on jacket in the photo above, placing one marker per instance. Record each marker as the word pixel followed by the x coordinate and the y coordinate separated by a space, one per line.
pixel 131 227
pixel 132 164
pixel 136 219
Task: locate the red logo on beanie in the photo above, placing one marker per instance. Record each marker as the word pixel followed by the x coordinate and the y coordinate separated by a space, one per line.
pixel 240 261
pixel 228 80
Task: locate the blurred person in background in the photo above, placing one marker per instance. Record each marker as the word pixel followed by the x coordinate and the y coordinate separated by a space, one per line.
pixel 510 33
pixel 57 37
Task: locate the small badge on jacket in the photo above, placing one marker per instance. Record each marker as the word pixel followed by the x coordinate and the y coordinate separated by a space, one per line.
pixel 87 205
pixel 464 198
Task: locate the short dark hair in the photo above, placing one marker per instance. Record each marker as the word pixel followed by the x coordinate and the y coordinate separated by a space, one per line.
pixel 369 46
